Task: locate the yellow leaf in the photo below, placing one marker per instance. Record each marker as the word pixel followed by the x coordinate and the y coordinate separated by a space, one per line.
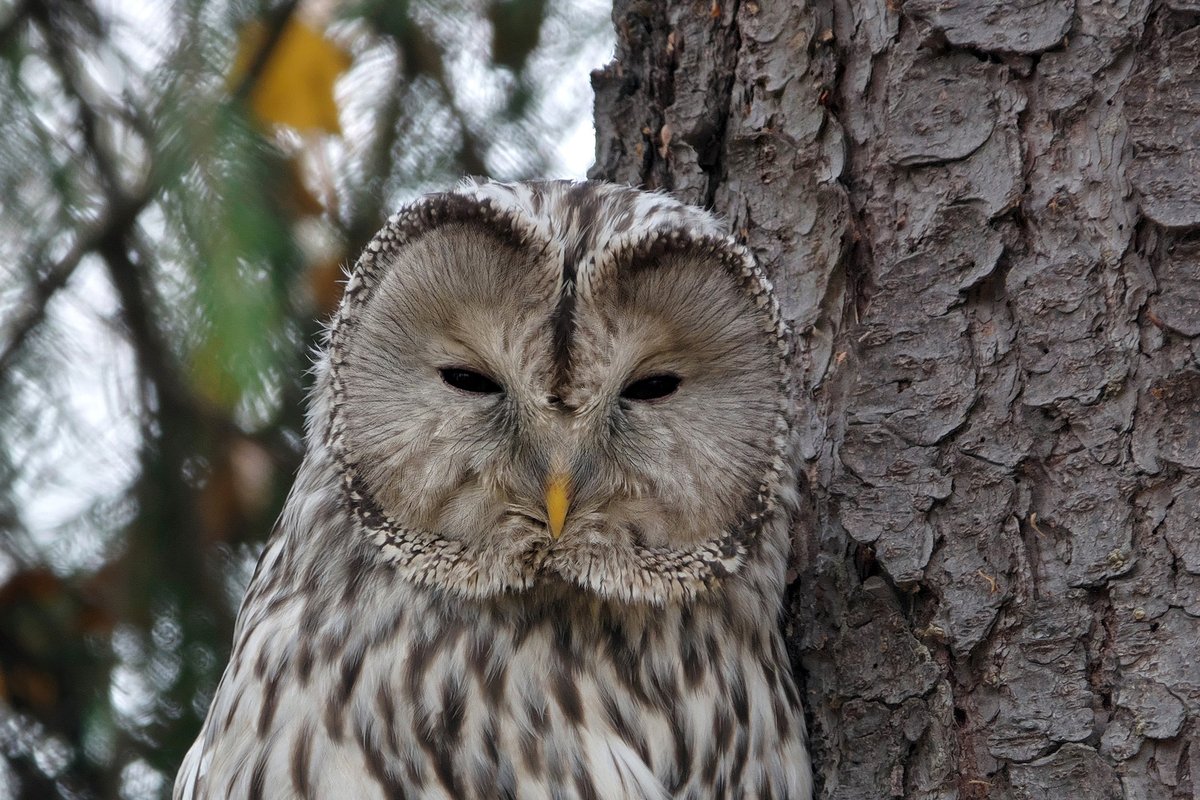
pixel 295 86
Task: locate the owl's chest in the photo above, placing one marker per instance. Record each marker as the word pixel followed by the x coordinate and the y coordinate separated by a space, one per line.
pixel 574 710
pixel 449 706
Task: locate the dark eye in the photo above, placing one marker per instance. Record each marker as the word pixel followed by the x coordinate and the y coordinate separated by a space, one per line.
pixel 470 381
pixel 652 388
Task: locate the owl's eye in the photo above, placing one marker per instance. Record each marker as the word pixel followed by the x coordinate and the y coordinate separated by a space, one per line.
pixel 470 381
pixel 652 388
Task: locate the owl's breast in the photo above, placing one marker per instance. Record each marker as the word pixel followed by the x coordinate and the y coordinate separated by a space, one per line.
pixel 586 701
pixel 438 698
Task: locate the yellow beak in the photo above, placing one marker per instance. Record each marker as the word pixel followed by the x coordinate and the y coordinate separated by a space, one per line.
pixel 558 500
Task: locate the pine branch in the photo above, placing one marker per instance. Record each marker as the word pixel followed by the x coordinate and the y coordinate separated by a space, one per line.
pixel 113 235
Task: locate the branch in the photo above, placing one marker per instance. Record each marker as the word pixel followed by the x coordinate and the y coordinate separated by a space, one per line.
pixel 55 278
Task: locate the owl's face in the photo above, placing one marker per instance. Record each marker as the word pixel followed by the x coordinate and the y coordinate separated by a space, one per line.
pixel 525 395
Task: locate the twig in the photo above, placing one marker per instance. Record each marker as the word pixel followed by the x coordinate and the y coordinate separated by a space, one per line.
pixel 56 277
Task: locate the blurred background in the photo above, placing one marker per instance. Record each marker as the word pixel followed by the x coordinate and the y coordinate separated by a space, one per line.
pixel 181 185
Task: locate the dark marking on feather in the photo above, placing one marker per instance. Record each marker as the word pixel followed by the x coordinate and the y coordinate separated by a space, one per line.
pixel 301 756
pixel 566 692
pixel 270 702
pixel 377 767
pixel 351 669
pixel 258 777
pixel 304 662
pixel 531 752
pixel 233 706
pixel 454 709
pixel 431 737
pixel 709 764
pixel 693 665
pixel 562 323
pixel 584 788
pixel 737 694
pixel 722 729
pixel 387 717
pixel 260 664
pixel 741 750
pixel 682 745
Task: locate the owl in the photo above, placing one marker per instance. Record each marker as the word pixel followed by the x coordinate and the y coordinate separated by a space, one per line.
pixel 537 545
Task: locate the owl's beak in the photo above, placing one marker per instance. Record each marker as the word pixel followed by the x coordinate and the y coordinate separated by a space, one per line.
pixel 558 500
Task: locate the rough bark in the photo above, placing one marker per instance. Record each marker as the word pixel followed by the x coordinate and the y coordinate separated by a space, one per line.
pixel 983 220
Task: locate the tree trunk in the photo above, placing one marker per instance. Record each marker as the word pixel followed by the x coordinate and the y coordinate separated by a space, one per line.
pixel 983 221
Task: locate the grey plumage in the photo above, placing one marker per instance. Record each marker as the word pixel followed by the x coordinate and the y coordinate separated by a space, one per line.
pixel 417 627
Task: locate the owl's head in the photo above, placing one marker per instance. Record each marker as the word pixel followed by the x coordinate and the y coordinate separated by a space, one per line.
pixel 559 382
